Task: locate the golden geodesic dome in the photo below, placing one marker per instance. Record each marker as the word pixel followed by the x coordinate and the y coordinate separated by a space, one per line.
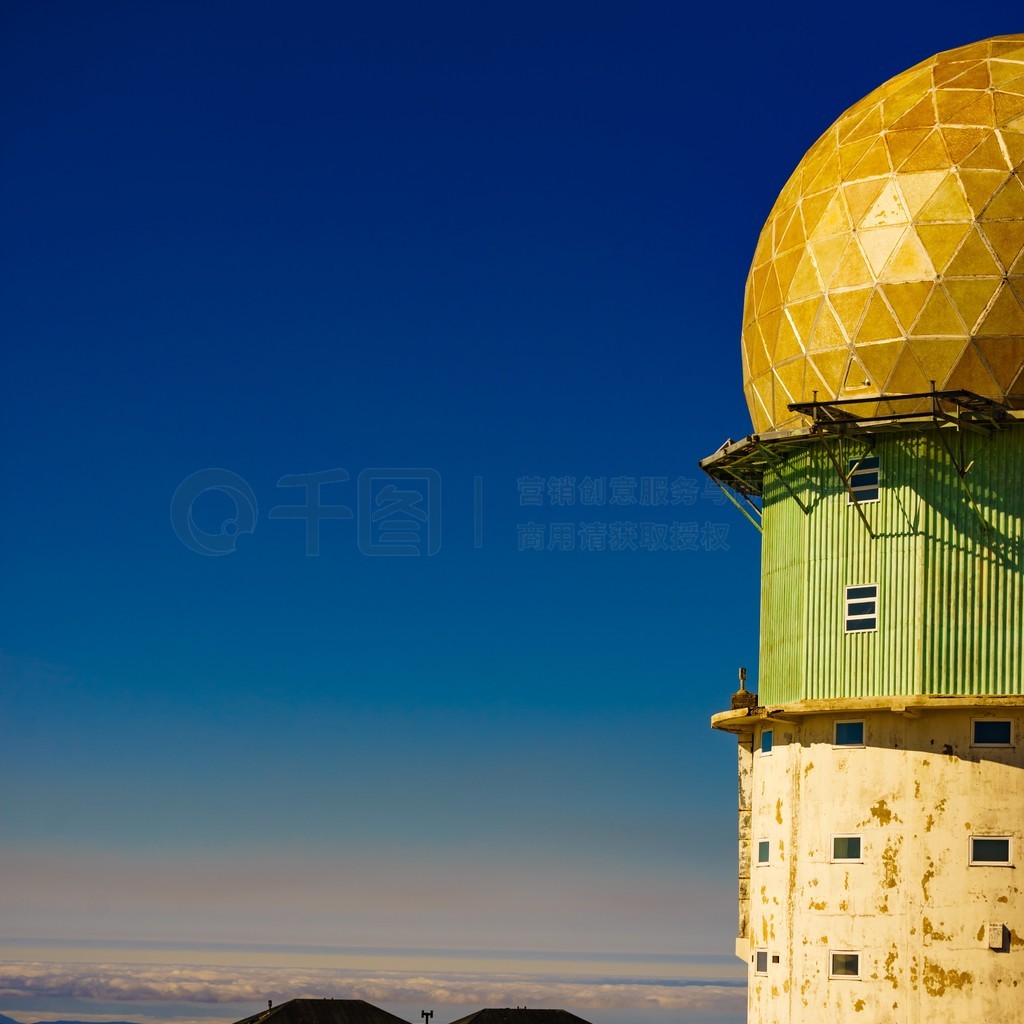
pixel 893 257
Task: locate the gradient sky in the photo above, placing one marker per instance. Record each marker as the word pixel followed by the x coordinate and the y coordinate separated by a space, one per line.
pixel 494 245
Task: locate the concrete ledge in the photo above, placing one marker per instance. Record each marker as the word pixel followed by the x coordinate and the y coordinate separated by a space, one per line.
pixel 745 720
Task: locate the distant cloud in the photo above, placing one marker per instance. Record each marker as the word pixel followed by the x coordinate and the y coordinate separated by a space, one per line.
pixel 213 985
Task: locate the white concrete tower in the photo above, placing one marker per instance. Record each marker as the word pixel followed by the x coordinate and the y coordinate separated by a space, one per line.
pixel 881 764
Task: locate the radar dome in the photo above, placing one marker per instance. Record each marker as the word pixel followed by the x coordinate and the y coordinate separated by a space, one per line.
pixel 893 257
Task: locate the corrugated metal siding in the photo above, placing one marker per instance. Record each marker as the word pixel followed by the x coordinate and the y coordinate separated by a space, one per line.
pixel 951 593
pixel 973 603
pixel 783 593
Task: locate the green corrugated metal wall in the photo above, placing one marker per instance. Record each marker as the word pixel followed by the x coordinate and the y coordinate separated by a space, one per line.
pixel 951 591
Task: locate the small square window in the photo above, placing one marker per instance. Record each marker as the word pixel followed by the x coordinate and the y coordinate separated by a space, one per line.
pixel 990 850
pixel 761 961
pixel 863 479
pixel 846 848
pixel 849 734
pixel 764 851
pixel 991 732
pixel 844 964
pixel 767 738
pixel 862 608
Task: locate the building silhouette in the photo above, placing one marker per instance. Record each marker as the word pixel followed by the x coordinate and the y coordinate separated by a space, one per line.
pixel 520 1015
pixel 323 1011
pixel 358 1011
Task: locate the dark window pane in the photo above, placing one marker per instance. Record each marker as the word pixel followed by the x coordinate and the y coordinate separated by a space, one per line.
pixel 856 625
pixel 846 965
pixel 766 741
pixel 849 733
pixel 990 851
pixel 763 848
pixel 761 961
pixel 863 479
pixel 861 608
pixel 846 848
pixel 866 493
pixel 991 731
pixel 854 593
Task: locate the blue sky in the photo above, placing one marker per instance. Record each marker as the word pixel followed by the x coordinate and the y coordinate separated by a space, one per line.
pixel 483 255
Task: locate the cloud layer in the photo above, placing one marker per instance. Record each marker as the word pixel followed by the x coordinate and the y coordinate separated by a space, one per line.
pixel 131 983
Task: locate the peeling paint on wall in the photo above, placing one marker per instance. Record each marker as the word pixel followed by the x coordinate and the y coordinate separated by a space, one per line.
pixel 890 967
pixel 881 812
pixel 930 934
pixel 937 979
pixel 890 865
pixel 926 880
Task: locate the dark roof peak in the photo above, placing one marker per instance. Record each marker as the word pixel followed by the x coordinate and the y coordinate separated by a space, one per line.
pixel 520 1015
pixel 324 1011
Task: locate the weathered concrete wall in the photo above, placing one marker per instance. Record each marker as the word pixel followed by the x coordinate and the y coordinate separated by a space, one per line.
pixel 745 779
pixel 914 909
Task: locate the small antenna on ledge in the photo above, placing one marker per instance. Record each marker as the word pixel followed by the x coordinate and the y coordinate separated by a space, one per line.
pixel 743 698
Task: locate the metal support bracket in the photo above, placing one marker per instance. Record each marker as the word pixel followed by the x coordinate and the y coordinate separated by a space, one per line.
pixel 778 716
pixel 846 485
pixel 771 456
pixel 756 523
pixel 957 461
pixel 906 712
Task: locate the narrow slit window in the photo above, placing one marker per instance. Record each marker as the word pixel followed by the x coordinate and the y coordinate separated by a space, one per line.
pixel 764 851
pixel 844 964
pixel 846 848
pixel 849 734
pixel 761 961
pixel 862 608
pixel 767 739
pixel 991 732
pixel 990 850
pixel 863 479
